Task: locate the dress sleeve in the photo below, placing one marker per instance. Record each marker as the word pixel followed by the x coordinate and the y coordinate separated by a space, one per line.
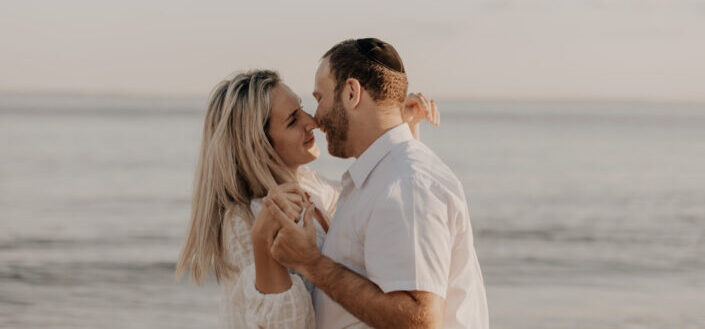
pixel 242 306
pixel 291 309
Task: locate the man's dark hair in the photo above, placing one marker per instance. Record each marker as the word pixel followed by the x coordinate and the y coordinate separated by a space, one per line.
pixel 374 63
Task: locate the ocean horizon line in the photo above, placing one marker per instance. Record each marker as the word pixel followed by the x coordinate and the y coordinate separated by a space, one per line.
pixel 70 93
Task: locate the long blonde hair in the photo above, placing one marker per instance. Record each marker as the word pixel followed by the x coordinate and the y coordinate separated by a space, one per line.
pixel 237 163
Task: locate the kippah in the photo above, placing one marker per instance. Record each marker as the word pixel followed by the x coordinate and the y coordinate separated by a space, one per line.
pixel 381 53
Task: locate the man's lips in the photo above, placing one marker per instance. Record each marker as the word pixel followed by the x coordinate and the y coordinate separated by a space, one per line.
pixel 321 126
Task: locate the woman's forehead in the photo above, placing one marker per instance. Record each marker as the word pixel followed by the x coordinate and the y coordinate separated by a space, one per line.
pixel 284 102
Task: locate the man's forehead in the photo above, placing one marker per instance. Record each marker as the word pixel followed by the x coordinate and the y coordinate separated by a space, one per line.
pixel 323 76
pixel 323 69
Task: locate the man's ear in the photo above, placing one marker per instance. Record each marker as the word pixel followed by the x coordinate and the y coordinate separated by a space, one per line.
pixel 352 93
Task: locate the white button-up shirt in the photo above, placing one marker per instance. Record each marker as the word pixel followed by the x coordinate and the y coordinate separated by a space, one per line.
pixel 402 222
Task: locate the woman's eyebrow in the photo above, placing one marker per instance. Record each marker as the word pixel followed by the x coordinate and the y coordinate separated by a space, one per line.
pixel 292 114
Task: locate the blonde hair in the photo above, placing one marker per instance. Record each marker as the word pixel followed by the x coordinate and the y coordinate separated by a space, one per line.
pixel 237 163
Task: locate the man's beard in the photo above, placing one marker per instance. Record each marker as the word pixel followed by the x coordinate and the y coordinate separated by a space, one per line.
pixel 336 126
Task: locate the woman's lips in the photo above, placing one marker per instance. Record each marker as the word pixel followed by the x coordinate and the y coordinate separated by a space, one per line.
pixel 310 140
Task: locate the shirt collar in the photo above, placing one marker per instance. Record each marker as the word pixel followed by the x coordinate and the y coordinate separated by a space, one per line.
pixel 368 160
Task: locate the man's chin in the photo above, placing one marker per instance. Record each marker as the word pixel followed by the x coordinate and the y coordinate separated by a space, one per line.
pixel 337 152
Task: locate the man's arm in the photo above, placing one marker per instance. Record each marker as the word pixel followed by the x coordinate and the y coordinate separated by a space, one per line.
pixel 295 247
pixel 366 301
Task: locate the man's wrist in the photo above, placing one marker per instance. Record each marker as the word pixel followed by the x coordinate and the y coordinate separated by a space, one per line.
pixel 311 268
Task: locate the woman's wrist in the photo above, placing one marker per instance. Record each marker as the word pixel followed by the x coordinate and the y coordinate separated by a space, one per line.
pixel 414 127
pixel 270 276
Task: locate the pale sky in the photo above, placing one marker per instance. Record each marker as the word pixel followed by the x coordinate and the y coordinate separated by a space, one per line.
pixel 624 49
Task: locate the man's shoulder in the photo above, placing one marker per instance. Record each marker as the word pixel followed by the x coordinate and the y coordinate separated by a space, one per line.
pixel 413 163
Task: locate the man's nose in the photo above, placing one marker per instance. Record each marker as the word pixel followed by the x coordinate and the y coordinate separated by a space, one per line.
pixel 316 116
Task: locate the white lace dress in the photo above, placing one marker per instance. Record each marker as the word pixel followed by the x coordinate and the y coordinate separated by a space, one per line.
pixel 242 306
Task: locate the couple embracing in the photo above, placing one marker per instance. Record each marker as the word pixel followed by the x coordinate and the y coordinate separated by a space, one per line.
pixel 388 246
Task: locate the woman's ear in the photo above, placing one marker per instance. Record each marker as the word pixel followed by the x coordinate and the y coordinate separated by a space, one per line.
pixel 352 93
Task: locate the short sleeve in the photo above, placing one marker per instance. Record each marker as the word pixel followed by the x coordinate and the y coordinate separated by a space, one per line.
pixel 407 240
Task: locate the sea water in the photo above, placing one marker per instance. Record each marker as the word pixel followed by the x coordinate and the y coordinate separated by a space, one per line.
pixel 585 214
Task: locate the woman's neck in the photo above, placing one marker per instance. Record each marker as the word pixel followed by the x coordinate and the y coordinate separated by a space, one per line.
pixel 294 172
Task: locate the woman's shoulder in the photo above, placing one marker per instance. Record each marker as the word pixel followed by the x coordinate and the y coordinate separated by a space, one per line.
pixel 316 181
pixel 326 190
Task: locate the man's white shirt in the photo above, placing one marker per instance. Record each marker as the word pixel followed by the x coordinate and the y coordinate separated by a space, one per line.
pixel 402 221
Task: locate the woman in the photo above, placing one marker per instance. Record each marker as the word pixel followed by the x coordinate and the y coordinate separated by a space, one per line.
pixel 256 138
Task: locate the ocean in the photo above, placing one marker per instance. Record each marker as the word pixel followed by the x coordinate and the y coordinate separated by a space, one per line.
pixel 586 214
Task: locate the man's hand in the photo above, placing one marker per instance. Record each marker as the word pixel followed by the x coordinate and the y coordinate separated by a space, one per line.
pixel 294 246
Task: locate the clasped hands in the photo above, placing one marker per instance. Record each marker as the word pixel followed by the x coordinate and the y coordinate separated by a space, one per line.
pixel 290 244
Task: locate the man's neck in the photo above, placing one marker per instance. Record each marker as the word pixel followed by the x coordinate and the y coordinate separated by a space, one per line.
pixel 369 131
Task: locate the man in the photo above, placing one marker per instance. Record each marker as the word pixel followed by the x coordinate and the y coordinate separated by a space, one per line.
pixel 399 252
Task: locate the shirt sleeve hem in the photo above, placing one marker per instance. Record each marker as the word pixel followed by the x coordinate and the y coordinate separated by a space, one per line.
pixel 412 285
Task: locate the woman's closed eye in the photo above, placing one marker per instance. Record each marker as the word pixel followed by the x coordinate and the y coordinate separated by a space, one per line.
pixel 292 118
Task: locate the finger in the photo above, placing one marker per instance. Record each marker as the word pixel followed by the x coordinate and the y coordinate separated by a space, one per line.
pixel 421 99
pixel 308 220
pixel 437 114
pixel 295 198
pixel 299 217
pixel 287 207
pixel 420 110
pixel 411 99
pixel 291 187
pixel 278 214
pixel 294 188
pixel 429 113
pixel 427 104
pixel 410 110
pixel 434 113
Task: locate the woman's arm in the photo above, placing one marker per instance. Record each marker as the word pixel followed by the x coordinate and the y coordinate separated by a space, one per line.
pixel 272 277
pixel 266 295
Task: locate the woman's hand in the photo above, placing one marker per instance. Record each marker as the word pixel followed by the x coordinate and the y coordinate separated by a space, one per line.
pixel 294 246
pixel 270 276
pixel 418 108
pixel 290 198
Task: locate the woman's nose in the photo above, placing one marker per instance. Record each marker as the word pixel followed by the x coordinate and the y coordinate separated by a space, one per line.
pixel 311 123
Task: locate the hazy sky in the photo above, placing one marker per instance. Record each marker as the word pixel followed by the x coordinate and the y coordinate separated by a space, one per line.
pixel 464 49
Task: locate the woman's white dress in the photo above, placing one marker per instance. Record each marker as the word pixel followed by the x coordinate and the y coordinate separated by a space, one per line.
pixel 242 306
